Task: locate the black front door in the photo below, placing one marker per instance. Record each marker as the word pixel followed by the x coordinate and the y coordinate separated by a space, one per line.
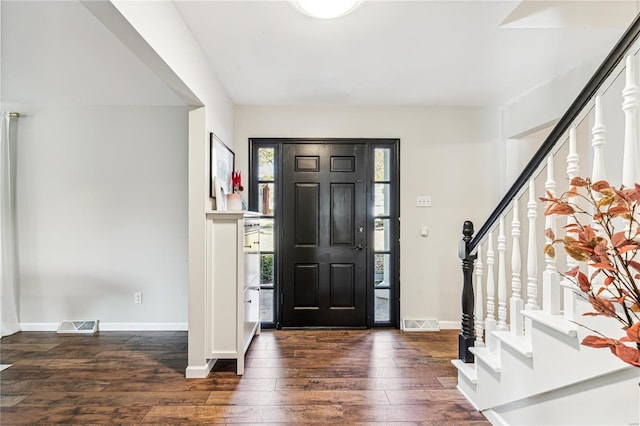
pixel 324 235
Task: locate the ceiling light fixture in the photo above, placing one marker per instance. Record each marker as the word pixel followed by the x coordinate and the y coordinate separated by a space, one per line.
pixel 326 9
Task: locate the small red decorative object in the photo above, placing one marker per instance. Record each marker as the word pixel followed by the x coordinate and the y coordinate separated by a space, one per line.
pixel 236 180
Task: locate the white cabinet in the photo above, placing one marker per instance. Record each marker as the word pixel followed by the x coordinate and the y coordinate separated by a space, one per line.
pixel 233 284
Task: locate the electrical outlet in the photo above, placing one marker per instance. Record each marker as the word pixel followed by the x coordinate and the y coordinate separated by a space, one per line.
pixel 137 297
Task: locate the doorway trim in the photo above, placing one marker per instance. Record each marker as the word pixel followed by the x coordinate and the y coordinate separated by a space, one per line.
pixel 393 145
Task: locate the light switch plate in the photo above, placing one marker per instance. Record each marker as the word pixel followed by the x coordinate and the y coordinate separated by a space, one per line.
pixel 423 201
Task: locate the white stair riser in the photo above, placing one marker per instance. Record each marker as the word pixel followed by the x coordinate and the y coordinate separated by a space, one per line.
pixel 558 360
pixel 615 401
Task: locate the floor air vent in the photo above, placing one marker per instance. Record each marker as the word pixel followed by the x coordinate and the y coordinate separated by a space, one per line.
pixel 73 327
pixel 420 325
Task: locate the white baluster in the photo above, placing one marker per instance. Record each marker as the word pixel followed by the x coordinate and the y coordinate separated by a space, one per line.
pixel 597 142
pixel 490 321
pixel 598 172
pixel 502 279
pixel 516 305
pixel 532 251
pixel 479 315
pixel 550 284
pixel 573 168
pixel 631 159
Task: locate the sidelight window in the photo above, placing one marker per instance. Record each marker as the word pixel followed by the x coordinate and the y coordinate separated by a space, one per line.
pixel 382 238
pixel 266 206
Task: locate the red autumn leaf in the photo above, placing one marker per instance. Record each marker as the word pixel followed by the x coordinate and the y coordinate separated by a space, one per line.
pixel 603 306
pixel 598 342
pixel 578 181
pixel 583 282
pixel 573 271
pixel 635 307
pixel 627 354
pixel 618 210
pixel 575 225
pixel 608 280
pixel 549 234
pixel 572 192
pixel 635 265
pixel 605 266
pixel 588 233
pixel 630 194
pixel 600 290
pixel 618 239
pixel 600 250
pixel 633 333
pixel 625 194
pixel 627 248
pixel 562 209
pixel 600 185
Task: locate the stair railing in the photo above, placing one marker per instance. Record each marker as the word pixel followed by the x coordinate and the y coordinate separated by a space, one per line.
pixel 557 297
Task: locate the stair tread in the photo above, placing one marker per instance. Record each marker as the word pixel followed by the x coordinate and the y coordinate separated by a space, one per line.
pixel 556 322
pixel 488 357
pixel 520 343
pixel 467 369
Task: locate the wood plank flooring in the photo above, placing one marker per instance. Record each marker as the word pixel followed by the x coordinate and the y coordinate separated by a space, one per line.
pixel 291 377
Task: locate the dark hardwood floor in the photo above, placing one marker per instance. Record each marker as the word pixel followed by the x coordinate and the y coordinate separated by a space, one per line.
pixel 295 377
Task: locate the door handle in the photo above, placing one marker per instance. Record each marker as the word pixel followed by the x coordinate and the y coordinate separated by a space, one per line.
pixel 358 247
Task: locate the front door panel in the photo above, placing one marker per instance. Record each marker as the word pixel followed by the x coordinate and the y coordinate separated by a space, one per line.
pixel 324 235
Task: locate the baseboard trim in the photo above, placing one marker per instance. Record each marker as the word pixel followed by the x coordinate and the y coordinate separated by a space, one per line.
pixel 449 325
pixel 38 326
pixel 199 371
pixel 113 326
pixel 468 398
pixel 494 418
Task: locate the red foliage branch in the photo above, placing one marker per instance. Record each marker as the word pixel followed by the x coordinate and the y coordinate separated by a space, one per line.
pixel 607 240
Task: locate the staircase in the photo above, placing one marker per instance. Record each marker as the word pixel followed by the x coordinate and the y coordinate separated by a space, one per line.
pixel 548 378
pixel 521 361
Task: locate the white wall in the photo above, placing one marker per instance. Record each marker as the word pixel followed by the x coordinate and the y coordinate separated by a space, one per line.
pixel 538 109
pixel 446 152
pixel 102 213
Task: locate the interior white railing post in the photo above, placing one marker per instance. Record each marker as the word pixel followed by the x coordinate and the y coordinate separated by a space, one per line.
pixel 597 142
pixel 631 160
pixel 516 321
pixel 490 321
pixel 550 282
pixel 502 278
pixel 479 314
pixel 598 172
pixel 573 168
pixel 532 251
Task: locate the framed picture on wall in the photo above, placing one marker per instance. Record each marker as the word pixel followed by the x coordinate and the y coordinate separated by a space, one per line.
pixel 222 165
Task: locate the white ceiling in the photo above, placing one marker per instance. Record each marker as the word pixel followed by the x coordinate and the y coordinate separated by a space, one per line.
pixel 388 52
pixel 400 52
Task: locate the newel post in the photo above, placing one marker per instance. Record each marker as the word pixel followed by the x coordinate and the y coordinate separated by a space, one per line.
pixel 467 334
